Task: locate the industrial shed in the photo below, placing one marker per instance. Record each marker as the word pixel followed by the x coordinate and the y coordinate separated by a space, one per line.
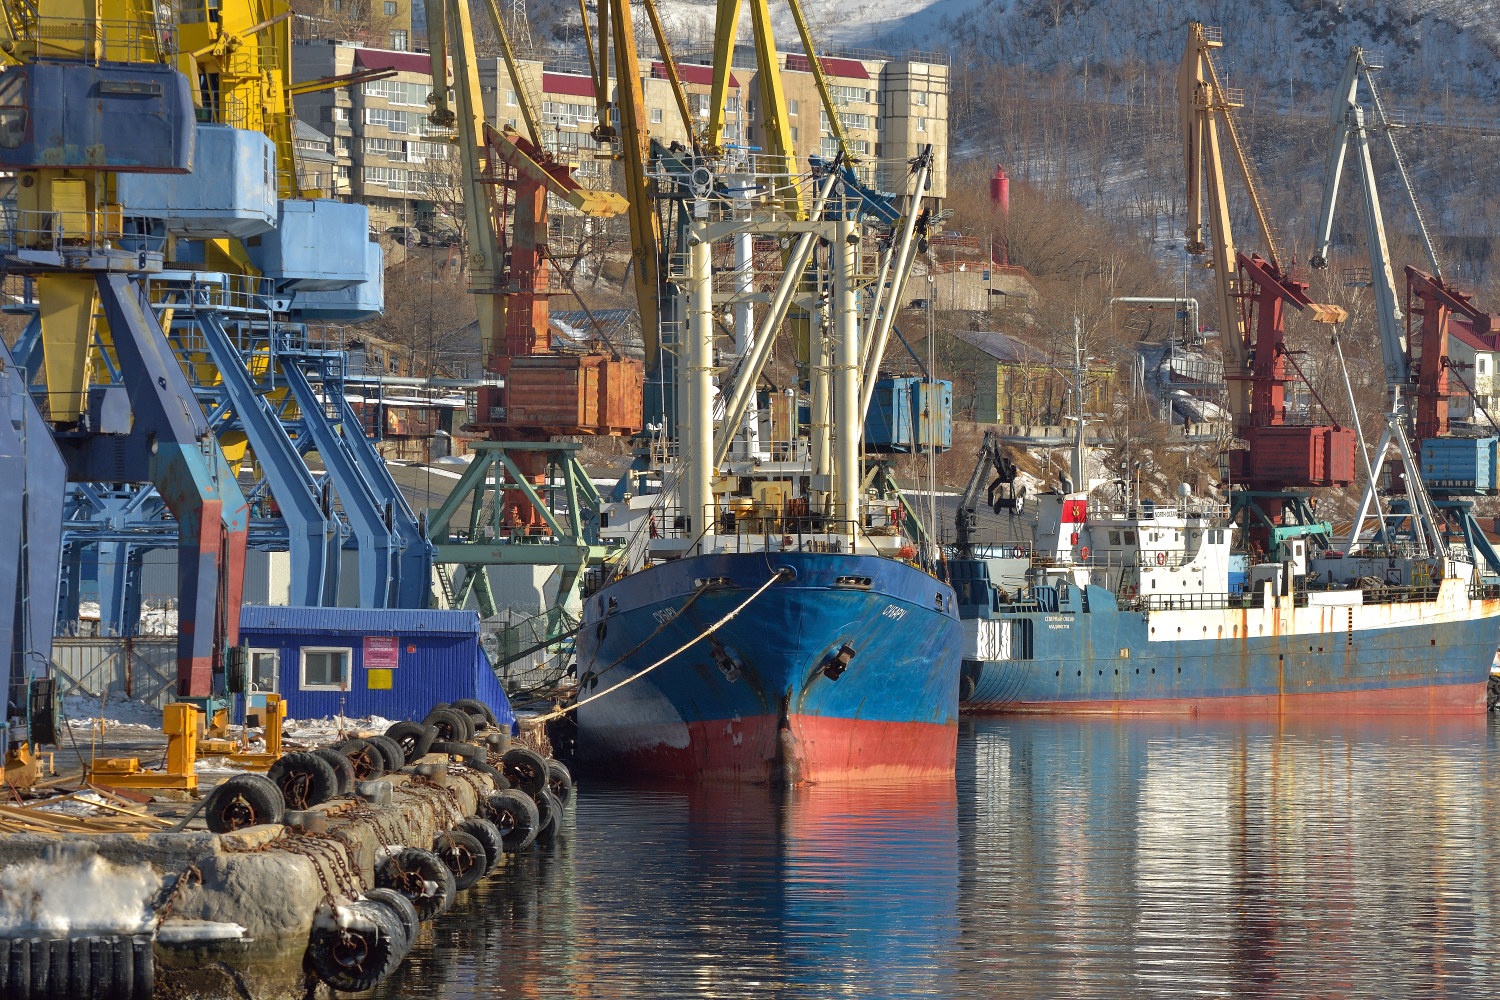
pixel 355 661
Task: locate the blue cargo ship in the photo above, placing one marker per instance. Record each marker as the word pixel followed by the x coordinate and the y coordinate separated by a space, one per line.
pixel 843 667
pixel 1155 609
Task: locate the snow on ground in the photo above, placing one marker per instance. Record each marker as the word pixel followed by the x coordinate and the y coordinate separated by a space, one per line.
pixel 330 730
pixel 119 713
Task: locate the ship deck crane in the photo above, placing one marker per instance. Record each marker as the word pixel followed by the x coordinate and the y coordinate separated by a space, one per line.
pixel 1280 456
pixel 993 464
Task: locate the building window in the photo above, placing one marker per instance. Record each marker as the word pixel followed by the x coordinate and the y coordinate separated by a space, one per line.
pixel 390 8
pixel 794 133
pixel 510 98
pixel 264 670
pixel 1479 362
pixel 919 98
pixel 791 107
pixel 921 124
pixel 656 116
pixel 325 669
pixel 398 40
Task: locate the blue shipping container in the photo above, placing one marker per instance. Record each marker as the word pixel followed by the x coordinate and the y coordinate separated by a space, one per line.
pixel 355 661
pixel 910 414
pixel 1460 464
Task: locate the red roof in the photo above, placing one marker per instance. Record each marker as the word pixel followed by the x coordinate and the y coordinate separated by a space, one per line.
pixel 851 69
pixel 690 73
pixel 406 62
pixel 1462 330
pixel 568 83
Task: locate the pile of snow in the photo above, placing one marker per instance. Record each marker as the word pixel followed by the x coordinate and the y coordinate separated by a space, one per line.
pixel 65 895
pixel 117 711
pixel 338 727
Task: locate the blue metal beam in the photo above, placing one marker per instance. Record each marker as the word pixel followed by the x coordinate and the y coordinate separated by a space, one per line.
pixel 313 535
pixel 32 479
pixel 171 446
pixel 377 543
pixel 414 582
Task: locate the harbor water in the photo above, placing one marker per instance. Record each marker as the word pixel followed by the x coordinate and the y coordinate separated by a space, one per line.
pixel 1070 858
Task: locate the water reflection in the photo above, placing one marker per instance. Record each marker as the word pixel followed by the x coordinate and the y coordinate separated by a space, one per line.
pixel 1089 858
pixel 1110 857
pixel 716 891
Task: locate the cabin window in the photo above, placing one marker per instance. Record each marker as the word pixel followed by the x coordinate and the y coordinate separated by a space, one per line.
pixel 1129 538
pixel 1114 538
pixel 325 669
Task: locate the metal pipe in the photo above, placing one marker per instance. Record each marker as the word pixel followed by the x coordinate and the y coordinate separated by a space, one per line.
pixel 697 378
pixel 846 394
pixel 902 270
pixel 1157 300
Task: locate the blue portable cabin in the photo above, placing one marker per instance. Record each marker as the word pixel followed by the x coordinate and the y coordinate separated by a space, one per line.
pixel 395 663
pixel 910 415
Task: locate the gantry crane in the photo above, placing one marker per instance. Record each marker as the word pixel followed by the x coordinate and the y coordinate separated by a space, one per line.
pixel 508 178
pixel 1280 457
pixel 99 96
pixel 1419 367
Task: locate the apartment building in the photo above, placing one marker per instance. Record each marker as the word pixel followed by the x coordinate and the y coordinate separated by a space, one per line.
pixel 390 157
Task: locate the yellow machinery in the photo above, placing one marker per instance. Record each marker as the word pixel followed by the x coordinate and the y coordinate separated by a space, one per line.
pixel 180 722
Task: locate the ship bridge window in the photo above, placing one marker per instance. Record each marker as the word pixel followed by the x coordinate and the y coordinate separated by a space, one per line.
pixel 1114 538
pixel 1129 538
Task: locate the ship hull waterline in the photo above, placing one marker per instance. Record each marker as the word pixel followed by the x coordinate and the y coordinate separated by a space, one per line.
pixel 766 698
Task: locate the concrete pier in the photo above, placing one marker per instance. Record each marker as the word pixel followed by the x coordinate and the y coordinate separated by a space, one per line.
pixel 231 913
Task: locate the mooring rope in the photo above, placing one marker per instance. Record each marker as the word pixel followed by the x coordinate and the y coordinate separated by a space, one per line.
pixel 698 638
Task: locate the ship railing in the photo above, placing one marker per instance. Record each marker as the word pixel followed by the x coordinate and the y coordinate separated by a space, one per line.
pixel 1192 507
pixel 794 525
pixel 149 40
pixel 47 231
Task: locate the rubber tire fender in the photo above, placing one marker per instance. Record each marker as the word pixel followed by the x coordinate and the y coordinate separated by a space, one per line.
pixel 395 754
pixel 403 869
pixel 305 779
pixel 515 815
pixel 549 817
pixel 464 855
pixel 18 968
pixel 244 800
pixel 474 706
pixel 368 760
pixel 525 769
pixel 145 966
pixel 401 906
pixel 414 739
pixel 486 833
pixel 560 781
pixel 452 725
pixel 343 768
pixel 351 960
